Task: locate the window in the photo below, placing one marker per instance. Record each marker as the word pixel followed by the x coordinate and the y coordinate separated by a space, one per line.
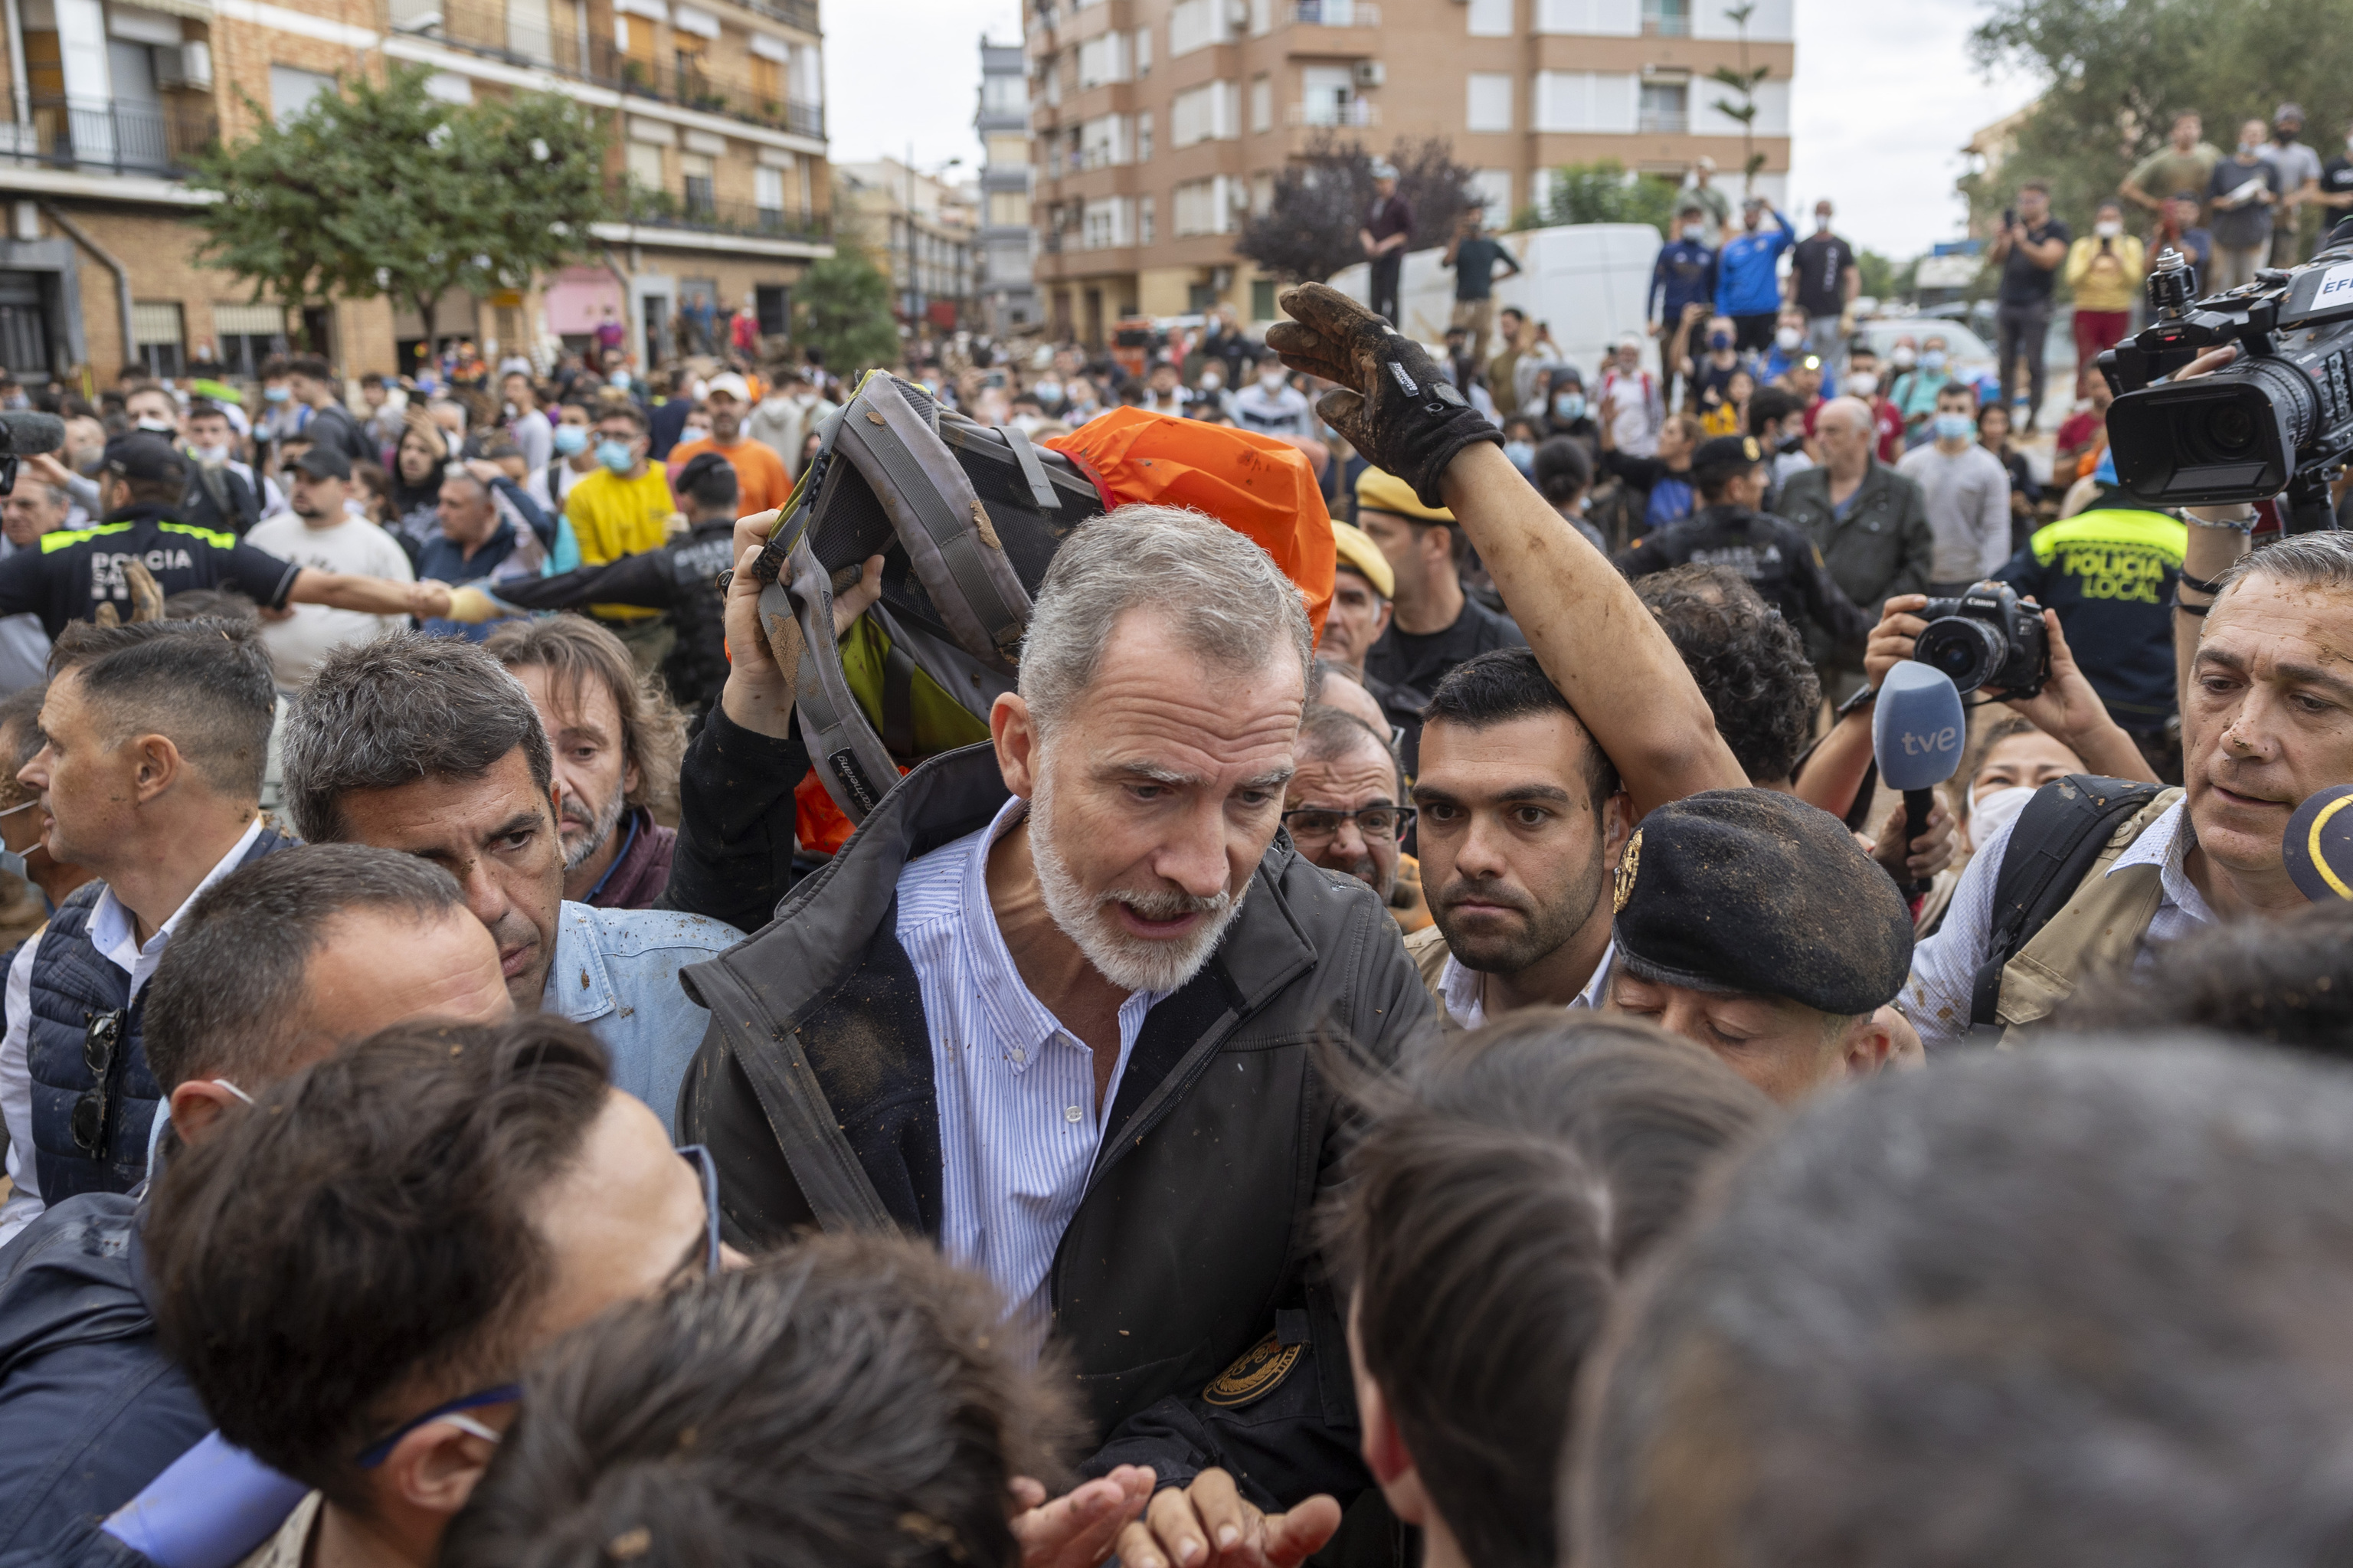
pixel 1196 24
pixel 1206 207
pixel 1103 142
pixel 1495 188
pixel 1327 96
pixel 1490 100
pixel 1261 103
pixel 768 196
pixel 695 173
pixel 1261 197
pixel 645 165
pixel 1107 223
pixel 1209 112
pixel 160 339
pixel 1142 56
pixel 1143 137
pixel 1261 299
pixel 1008 209
pixel 1004 95
pixel 1772 113
pixel 291 91
pixel 772 303
pixel 1584 100
pixel 767 80
pixel 1103 59
pixel 1008 152
pixel 1261 17
pixel 249 334
pixel 1491 18
pixel 1148 221
pixel 1664 107
pixel 1666 18
pixel 1613 18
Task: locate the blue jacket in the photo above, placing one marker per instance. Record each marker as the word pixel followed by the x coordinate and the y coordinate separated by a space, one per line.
pixel 1684 272
pixel 1746 283
pixel 616 971
pixel 91 1410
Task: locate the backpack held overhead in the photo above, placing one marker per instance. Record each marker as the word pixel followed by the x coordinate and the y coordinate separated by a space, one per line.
pixel 966 518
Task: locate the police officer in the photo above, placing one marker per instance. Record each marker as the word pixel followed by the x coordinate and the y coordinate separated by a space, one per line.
pixel 141 483
pixel 1753 924
pixel 1731 477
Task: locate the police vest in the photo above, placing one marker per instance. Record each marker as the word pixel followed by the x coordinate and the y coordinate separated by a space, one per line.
pixel 72 984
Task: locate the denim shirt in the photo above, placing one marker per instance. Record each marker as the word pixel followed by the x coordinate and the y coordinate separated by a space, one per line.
pixel 616 971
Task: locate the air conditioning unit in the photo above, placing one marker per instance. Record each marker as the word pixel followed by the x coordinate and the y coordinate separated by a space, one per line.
pixel 1371 73
pixel 1238 15
pixel 184 65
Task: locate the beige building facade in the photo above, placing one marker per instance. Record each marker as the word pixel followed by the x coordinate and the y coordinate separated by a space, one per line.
pixel 717 162
pixel 1158 125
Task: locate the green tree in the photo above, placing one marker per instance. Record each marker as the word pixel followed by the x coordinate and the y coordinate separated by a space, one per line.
pixel 1878 274
pixel 1742 81
pixel 844 306
pixel 385 189
pixel 1606 193
pixel 1310 227
pixel 2115 73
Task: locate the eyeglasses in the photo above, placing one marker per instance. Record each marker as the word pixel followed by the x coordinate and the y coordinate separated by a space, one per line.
pixel 1313 824
pixel 102 1038
pixel 698 1157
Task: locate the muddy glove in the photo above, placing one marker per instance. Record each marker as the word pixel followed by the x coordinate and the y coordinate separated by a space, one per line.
pixel 1395 404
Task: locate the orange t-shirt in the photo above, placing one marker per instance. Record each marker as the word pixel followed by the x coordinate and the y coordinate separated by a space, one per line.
pixel 760 478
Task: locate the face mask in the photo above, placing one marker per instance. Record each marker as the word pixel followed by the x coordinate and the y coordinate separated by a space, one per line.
pixel 1862 383
pixel 275 394
pixel 615 456
pixel 1048 392
pixel 1904 358
pixel 1822 223
pixel 1569 406
pixel 2247 149
pixel 571 439
pixel 1694 232
pixel 509 410
pixel 1788 338
pixel 211 454
pixel 1522 453
pixel 1027 424
pixel 2107 229
pixel 1955 427
pixel 1933 360
pixel 694 433
pixel 1211 382
pixel 1719 340
pixel 1274 380
pixel 1994 811
pixel 161 427
pixel 619 378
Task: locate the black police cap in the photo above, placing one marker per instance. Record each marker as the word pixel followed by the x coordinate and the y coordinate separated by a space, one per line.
pixel 136 455
pixel 1753 892
pixel 1728 451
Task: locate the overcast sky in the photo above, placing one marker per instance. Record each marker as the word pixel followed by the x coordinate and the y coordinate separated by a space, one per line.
pixel 1885 99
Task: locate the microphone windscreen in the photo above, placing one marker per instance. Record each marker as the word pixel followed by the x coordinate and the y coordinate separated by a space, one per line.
pixel 1919 729
pixel 29 433
pixel 2318 845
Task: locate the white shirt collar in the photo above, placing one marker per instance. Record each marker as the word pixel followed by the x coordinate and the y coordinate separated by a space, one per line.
pixel 111 929
pixel 1459 991
pixel 2165 844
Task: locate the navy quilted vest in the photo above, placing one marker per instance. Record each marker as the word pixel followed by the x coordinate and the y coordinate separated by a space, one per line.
pixel 73 982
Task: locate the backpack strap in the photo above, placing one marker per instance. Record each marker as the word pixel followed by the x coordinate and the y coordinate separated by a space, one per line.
pixel 1042 489
pixel 2063 830
pixel 852 763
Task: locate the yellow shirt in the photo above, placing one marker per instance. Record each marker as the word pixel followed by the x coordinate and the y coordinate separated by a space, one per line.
pixel 1724 419
pixel 2109 287
pixel 612 517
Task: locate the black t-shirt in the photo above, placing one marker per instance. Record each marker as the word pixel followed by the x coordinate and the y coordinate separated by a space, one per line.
pixel 1474 268
pixel 2023 283
pixel 1819 267
pixel 74 570
pixel 2336 175
pixel 1403 659
pixel 1775 555
pixel 1392 215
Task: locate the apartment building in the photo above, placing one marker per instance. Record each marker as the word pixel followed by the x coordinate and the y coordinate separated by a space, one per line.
pixel 925 229
pixel 1008 292
pixel 718 166
pixel 1158 125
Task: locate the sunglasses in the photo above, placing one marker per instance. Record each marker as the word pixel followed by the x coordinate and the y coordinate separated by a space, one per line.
pixel 455 1412
pixel 101 1041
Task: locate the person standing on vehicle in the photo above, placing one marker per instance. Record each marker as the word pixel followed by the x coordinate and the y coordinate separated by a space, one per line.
pixel 1824 279
pixel 1389 228
pixel 1746 286
pixel 1474 255
pixel 2029 249
pixel 1684 275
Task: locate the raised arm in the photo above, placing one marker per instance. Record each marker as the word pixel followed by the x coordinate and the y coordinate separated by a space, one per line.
pixel 1594 638
pixel 370 596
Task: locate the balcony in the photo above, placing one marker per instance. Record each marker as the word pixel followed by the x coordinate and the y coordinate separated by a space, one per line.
pixel 1325 111
pixel 699 210
pixel 486 30
pixel 801 14
pixel 1332 13
pixel 120 138
pixel 1666 18
pixel 1663 123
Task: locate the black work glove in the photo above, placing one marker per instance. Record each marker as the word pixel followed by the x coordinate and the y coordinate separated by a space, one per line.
pixel 1394 404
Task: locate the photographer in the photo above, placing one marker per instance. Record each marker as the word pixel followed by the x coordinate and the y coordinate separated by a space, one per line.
pixel 2029 249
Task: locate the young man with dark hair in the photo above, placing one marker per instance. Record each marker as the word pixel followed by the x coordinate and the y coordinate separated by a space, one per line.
pixel 2039 1308
pixel 1500 1197
pixel 327 423
pixel 1967 490
pixel 616 744
pixel 1436 625
pixel 155 735
pixel 794 1461
pixel 1748 660
pixel 426 745
pixel 318 531
pixel 511 1195
pixel 276 965
pixel 1777 559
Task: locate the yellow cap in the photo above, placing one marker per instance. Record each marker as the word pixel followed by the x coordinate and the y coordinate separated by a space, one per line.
pixel 1385 492
pixel 1357 551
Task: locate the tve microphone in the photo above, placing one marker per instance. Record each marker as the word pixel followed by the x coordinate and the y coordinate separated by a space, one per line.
pixel 1917 732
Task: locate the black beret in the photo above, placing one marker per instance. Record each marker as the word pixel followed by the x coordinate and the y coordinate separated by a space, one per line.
pixel 136 455
pixel 1728 451
pixel 1755 892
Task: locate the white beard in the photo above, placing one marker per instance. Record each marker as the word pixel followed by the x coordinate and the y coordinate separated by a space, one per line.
pixel 1130 962
pixel 600 830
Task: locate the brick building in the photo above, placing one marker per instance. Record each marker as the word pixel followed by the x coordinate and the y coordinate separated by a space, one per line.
pixel 718 161
pixel 1158 125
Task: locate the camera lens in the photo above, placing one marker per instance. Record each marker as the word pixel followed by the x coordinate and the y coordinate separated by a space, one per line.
pixel 1967 650
pixel 2229 431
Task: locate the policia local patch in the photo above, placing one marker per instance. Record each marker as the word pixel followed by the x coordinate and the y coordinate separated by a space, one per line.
pixel 1259 1373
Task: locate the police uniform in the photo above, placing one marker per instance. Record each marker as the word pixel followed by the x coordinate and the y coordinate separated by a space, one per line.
pixel 75 571
pixel 1774 554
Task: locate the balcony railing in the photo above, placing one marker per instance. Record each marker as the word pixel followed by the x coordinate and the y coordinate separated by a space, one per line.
pixel 801 14
pixel 660 209
pixel 1356 111
pixel 1666 19
pixel 486 30
pixel 1662 121
pixel 1332 13
pixel 119 137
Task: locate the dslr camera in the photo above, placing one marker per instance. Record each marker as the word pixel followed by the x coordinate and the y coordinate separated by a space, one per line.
pixel 1988 637
pixel 2278 418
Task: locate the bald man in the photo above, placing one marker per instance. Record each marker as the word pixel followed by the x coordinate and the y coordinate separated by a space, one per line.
pixel 1870 522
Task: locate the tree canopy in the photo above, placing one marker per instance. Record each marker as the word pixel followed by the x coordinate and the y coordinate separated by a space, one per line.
pixel 844 306
pixel 381 188
pixel 1309 230
pixel 1605 193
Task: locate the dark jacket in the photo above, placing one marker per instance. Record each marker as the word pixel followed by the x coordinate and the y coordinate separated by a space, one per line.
pixel 219 499
pixel 1880 548
pixel 641 871
pixel 1195 1239
pixel 1777 557
pixel 91 1410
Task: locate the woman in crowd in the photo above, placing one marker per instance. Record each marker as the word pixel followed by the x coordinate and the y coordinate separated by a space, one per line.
pixel 2025 495
pixel 417 474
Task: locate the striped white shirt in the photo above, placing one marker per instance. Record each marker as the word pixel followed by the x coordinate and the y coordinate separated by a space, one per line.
pixel 1018 1121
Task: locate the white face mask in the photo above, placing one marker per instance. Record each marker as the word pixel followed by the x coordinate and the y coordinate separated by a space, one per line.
pixel 694 433
pixel 1992 811
pixel 212 454
pixel 1862 383
pixel 1788 338
pixel 1822 222
pixel 1210 381
pixel 2108 229
pixel 1273 380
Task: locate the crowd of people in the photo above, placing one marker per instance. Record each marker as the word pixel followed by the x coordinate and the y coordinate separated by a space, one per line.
pixel 1401 1024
